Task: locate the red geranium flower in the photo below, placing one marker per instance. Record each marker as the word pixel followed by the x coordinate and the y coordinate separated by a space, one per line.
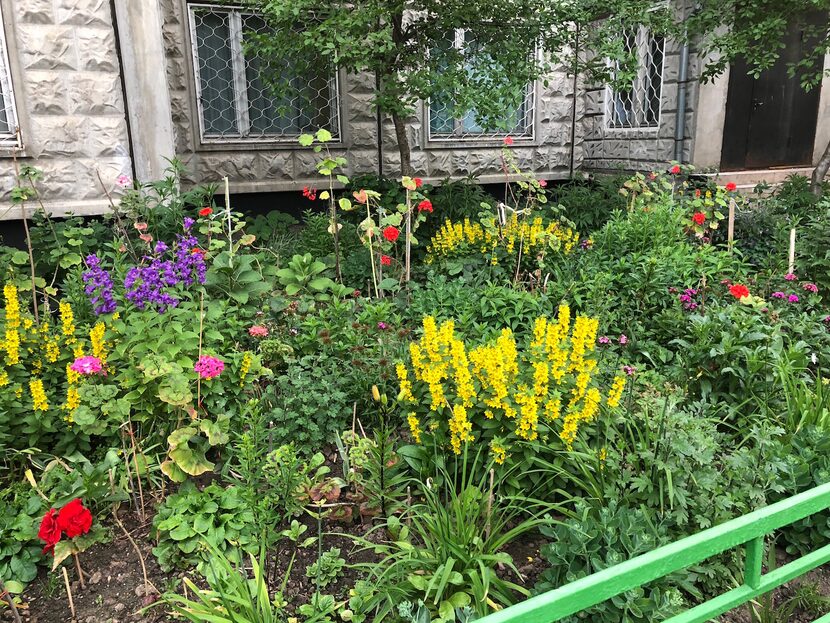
pixel 739 291
pixel 425 206
pixel 697 192
pixel 385 260
pixel 360 196
pixel 75 519
pixel 205 211
pixel 731 186
pixel 391 233
pixel 309 193
pixel 418 182
pixel 699 218
pixel 49 532
pixel 508 140
pixel 675 170
pixel 197 251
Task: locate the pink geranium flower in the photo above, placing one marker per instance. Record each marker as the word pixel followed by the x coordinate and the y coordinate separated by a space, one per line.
pixel 258 330
pixel 209 367
pixel 87 366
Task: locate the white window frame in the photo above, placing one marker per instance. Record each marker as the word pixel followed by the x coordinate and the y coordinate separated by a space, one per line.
pixel 642 40
pixel 235 13
pixel 458 134
pixel 11 138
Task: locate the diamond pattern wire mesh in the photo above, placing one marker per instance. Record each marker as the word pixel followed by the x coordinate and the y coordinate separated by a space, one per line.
pixel 639 105
pixel 517 123
pixel 235 102
pixel 8 118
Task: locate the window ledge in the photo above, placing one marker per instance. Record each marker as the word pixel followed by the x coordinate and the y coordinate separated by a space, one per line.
pixel 477 143
pixel 13 152
pixel 239 145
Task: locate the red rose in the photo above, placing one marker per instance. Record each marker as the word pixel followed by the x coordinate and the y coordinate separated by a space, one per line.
pixel 385 260
pixel 425 206
pixel 205 211
pixel 675 170
pixel 418 182
pixel 49 532
pixel 75 519
pixel 739 291
pixel 391 233
pixel 699 218
pixel 731 186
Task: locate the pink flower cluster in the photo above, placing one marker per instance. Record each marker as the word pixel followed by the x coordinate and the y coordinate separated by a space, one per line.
pixel 87 366
pixel 209 367
pixel 258 330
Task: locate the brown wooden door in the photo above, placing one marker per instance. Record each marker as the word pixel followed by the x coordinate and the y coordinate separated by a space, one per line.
pixel 770 120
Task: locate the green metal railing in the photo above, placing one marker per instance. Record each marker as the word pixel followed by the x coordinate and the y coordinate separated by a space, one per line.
pixel 748 530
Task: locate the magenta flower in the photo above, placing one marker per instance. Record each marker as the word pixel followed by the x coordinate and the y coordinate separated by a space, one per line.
pixel 778 295
pixel 810 287
pixel 790 277
pixel 793 298
pixel 87 366
pixel 258 330
pixel 629 370
pixel 383 326
pixel 209 367
pixel 604 339
pixel 123 181
pixel 623 339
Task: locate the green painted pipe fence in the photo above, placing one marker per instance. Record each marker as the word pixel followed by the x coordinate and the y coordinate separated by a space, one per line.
pixel 748 530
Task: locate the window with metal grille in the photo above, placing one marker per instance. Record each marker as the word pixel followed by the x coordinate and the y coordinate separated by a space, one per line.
pixel 638 106
pixel 234 100
pixel 8 115
pixel 443 125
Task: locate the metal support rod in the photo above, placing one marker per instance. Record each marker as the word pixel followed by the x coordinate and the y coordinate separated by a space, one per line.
pixel 680 115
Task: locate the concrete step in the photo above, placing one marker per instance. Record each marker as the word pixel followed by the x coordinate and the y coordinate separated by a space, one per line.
pixel 747 180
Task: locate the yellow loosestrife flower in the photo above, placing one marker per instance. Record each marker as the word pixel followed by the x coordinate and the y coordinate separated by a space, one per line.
pixel 615 393
pixel 99 346
pixel 39 401
pixel 414 426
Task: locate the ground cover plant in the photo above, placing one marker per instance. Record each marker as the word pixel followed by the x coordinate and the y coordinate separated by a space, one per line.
pixel 449 406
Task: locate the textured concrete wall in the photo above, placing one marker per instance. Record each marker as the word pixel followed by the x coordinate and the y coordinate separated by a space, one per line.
pixel 68 93
pixel 254 168
pixel 607 148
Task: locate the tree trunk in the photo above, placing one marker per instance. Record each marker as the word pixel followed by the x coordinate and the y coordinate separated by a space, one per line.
pixel 403 144
pixel 820 171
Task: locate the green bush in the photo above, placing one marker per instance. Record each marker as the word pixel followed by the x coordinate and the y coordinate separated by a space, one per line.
pixel 190 523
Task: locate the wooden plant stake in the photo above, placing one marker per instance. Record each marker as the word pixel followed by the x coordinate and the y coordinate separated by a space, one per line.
pixel 69 594
pixel 791 267
pixel 80 571
pixel 10 600
pixel 730 231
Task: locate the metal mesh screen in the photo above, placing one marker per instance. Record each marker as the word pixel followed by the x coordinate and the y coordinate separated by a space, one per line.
pixel 638 106
pixel 235 102
pixel 443 125
pixel 8 118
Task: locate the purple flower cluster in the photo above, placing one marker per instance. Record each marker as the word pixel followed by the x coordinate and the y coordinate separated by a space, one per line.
pixel 688 300
pixel 98 286
pixel 149 285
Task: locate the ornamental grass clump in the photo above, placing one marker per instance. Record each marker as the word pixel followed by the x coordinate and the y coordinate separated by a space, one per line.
pixel 504 391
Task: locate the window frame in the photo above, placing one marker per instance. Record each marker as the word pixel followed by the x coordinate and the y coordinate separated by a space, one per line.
pixel 642 40
pixel 240 101
pixel 460 137
pixel 11 139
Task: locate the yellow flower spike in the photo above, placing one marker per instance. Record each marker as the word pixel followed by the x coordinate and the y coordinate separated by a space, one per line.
pixel 67 321
pixel 414 426
pixel 99 346
pixel 616 391
pixel 39 401
pixel 460 428
pixel 245 367
pixel 12 306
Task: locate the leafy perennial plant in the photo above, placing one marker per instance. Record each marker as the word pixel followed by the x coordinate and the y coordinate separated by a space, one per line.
pixel 501 391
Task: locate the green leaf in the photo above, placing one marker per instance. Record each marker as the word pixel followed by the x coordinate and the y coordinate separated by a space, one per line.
pixel 70 259
pixel 323 135
pixel 175 390
pixel 343 179
pixel 306 140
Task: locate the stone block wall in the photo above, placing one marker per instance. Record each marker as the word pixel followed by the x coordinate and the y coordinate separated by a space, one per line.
pixel 610 149
pixel 253 168
pixel 67 87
